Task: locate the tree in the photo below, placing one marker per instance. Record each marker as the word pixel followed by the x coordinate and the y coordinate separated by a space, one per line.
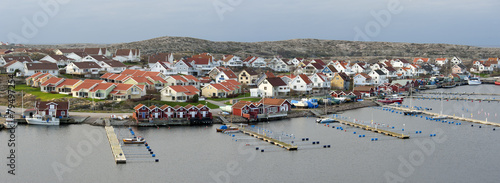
pixel 195 98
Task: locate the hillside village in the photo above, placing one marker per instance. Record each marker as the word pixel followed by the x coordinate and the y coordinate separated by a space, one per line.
pixel 119 75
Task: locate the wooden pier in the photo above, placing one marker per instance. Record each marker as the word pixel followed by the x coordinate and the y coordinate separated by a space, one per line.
pixel 369 128
pixel 281 144
pixel 447 116
pixel 116 148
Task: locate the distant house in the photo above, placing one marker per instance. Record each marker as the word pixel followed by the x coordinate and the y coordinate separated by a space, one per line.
pixel 362 79
pixel 32 68
pixel 421 61
pixel 441 61
pixel 215 71
pixel 76 56
pixel 60 60
pixel 124 92
pixel 320 82
pixel 301 84
pixel 358 67
pixel 456 60
pixel 329 71
pixel 232 61
pixel 83 68
pixel 67 51
pixel 112 66
pixel 122 55
pixel 83 89
pixel 340 81
pixel 178 93
pixel 370 90
pixel 160 57
pixel 6 59
pixel 96 51
pixel 165 68
pixel 67 86
pixel 184 67
pixel 248 76
pixel 13 66
pixel 378 77
pixel 50 85
pixel 215 91
pixel 225 75
pixel 202 63
pixel 278 65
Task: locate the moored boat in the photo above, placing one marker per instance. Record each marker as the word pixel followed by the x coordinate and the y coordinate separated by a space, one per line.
pixel 412 112
pixel 326 120
pixel 232 130
pixel 497 82
pixel 10 123
pixel 134 140
pixel 391 99
pixel 42 120
pixel 474 81
pixel 221 128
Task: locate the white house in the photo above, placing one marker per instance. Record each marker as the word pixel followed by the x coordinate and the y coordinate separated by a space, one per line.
pixel 272 87
pixel 163 67
pixel 112 66
pixel 225 75
pixel 378 77
pixel 362 79
pixel 358 67
pixel 278 65
pixel 83 68
pixel 320 82
pixel 76 56
pixel 456 60
pixel 184 67
pixel 441 61
pixel 60 60
pixel 32 68
pixel 231 60
pixel 301 84
pixel 12 66
pixel 123 55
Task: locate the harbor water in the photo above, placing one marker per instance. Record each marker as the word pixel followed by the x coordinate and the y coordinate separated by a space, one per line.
pixel 458 153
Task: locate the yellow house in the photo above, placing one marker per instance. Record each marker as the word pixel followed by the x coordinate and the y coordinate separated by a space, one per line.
pixel 340 81
pixel 214 90
pixel 140 81
pixel 248 77
pixel 126 91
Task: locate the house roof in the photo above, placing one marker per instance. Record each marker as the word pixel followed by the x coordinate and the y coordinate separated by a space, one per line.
pixel 44 105
pixel 332 68
pixel 191 77
pixel 10 63
pixel 305 78
pixel 100 58
pixel 36 75
pixel 102 86
pixel 227 58
pixel 270 74
pixel 70 50
pixel 425 60
pixel 163 107
pixel 59 57
pixel 51 81
pixel 179 77
pixel 344 76
pixel 94 51
pixel 251 71
pixel 42 66
pixel 230 74
pixel 380 72
pixel 126 52
pixel 18 58
pixel 219 87
pixel 276 81
pixel 157 78
pixel 188 90
pixel 67 82
pixel 272 101
pixel 368 77
pixel 141 80
pixel 87 65
pixel 81 54
pixel 199 106
pixel 122 87
pixel 159 57
pixel 138 106
pixel 390 69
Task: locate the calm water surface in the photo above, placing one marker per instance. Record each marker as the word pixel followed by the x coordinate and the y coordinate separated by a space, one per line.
pixel 459 153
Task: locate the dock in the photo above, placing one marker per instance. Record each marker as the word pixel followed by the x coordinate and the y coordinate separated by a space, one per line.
pixel 116 148
pixel 447 116
pixel 376 130
pixel 458 98
pixel 457 93
pixel 281 144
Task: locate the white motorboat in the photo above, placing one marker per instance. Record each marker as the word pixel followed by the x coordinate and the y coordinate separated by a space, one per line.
pixel 326 120
pixel 474 81
pixel 10 123
pixel 42 120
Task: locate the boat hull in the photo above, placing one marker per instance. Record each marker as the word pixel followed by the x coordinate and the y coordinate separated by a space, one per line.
pixel 34 121
pixel 390 101
pixel 130 141
pixel 497 82
pixel 474 82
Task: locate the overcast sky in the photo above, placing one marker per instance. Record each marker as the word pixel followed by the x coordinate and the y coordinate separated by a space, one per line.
pixel 468 22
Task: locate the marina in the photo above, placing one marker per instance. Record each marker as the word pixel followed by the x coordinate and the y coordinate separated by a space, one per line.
pixel 373 129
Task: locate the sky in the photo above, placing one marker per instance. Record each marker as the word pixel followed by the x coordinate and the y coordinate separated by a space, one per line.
pixel 465 22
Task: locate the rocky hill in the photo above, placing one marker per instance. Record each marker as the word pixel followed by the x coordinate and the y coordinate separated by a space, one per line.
pixel 302 48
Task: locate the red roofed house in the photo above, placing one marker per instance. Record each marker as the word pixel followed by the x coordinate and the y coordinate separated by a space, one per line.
pixel 141 112
pixel 178 93
pixel 83 89
pixel 420 60
pixel 50 84
pixel 67 85
pixel 246 109
pixel 215 90
pixel 54 109
pixel 32 68
pixel 126 91
pixel 139 81
pixel 274 108
pixel 101 91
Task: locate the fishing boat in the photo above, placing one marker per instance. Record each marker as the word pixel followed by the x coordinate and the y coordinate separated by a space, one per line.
pixel 10 123
pixel 134 140
pixel 391 99
pixel 43 120
pixel 326 120
pixel 474 81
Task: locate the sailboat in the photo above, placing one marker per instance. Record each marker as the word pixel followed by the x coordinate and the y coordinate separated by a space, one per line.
pixel 412 112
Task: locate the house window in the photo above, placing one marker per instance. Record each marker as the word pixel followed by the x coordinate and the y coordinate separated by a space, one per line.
pixel 265 88
pixel 63 113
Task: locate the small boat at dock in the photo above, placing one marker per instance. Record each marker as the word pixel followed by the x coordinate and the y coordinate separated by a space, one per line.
pixel 10 123
pixel 326 120
pixel 134 140
pixel 412 112
pixel 474 81
pixel 391 99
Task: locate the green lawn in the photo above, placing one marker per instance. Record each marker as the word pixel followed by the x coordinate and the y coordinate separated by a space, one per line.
pixel 223 99
pixel 39 94
pixel 69 76
pixel 44 96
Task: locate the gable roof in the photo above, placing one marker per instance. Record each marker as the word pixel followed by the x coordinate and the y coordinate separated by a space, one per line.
pixel 305 78
pixel 332 68
pixel 191 77
pixel 44 105
pixel 68 82
pixel 230 74
pixel 272 101
pixel 87 65
pixel 276 81
pixel 250 71
pixel 42 66
pixel 380 72
pixel 52 81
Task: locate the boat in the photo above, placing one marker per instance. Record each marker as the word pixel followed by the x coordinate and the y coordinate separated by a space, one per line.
pixel 134 140
pixel 43 120
pixel 221 128
pixel 412 112
pixel 302 103
pixel 497 82
pixel 391 99
pixel 326 120
pixel 449 85
pixel 10 123
pixel 232 130
pixel 474 81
